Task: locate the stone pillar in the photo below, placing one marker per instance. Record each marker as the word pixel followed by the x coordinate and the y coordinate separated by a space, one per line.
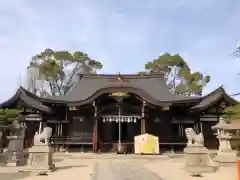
pixel 95 129
pixel 143 125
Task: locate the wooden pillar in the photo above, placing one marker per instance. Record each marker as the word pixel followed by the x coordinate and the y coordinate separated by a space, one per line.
pixel 95 130
pixel 180 128
pixel 195 127
pixel 218 112
pixel 40 127
pixel 143 123
pixel 201 126
pixel 200 123
pixel 58 127
pixel 40 123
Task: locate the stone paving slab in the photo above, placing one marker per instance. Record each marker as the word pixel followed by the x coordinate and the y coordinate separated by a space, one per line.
pixel 143 173
pixel 115 156
pixel 121 170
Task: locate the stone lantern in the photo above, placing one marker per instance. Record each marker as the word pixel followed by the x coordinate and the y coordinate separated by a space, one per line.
pixel 225 132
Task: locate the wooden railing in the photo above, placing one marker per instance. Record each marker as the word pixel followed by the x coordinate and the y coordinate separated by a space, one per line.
pixel 71 140
pixel 87 139
pixel 173 143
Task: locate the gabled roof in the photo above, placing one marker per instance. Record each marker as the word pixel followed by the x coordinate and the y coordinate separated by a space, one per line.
pixel 213 98
pixel 23 97
pixel 152 88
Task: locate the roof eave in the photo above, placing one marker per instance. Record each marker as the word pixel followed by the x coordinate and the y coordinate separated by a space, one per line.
pixel 222 94
pixel 21 96
pixel 41 99
pixel 11 100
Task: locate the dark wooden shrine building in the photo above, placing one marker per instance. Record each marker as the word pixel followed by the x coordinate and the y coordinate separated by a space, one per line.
pixel 102 110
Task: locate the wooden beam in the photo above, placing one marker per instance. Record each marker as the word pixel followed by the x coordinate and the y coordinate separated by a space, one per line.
pixel 143 123
pixel 95 130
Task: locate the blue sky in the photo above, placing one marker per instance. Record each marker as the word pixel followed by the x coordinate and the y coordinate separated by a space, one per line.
pixel 123 34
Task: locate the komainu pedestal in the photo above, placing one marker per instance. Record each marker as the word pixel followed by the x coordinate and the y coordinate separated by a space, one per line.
pixel 198 160
pixel 40 158
pixel 41 153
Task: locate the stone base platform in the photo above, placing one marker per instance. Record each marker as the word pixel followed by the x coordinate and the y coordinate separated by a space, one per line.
pixel 13 159
pixel 198 160
pixel 40 158
pixel 226 157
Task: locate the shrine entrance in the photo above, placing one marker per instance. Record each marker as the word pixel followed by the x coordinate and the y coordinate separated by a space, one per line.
pixel 114 130
pixel 121 128
pixel 119 123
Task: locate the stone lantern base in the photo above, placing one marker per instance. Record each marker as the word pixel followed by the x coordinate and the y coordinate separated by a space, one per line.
pixel 226 157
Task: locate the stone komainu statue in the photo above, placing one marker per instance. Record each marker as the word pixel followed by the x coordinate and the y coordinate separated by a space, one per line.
pixel 193 138
pixel 43 137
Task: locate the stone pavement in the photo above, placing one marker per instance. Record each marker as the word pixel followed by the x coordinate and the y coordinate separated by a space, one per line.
pixel 13 175
pixel 112 167
pixel 174 170
pixel 67 168
pixel 121 170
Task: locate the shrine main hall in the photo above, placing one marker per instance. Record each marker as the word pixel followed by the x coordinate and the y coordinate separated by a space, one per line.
pixel 103 110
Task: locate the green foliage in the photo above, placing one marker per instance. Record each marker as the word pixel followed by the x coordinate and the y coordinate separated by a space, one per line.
pixel 142 73
pixel 56 72
pixel 6 115
pixel 232 112
pixel 179 77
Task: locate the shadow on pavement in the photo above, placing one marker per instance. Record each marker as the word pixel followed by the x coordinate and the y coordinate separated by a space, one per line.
pixel 58 160
pixel 68 167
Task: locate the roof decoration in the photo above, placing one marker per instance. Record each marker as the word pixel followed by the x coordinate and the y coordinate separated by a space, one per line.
pixel 119 94
pixel 119 79
pixel 119 76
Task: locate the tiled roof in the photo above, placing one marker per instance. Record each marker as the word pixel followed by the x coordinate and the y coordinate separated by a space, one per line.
pixel 213 98
pixel 152 88
pixel 21 95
